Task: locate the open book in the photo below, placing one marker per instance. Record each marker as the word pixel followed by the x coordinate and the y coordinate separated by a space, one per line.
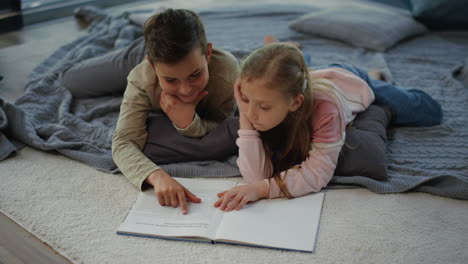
pixel 276 223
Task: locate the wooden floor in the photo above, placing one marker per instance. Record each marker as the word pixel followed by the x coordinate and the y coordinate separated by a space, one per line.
pixel 20 52
pixel 19 246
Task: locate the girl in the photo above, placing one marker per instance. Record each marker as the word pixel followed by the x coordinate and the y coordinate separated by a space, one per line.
pixel 292 121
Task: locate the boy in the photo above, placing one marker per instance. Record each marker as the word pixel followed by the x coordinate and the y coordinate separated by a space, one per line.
pixel 181 75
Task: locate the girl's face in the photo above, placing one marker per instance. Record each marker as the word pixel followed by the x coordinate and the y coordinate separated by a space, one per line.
pixel 186 78
pixel 265 106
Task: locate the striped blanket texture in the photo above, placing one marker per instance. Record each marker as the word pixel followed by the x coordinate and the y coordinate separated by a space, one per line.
pixel 432 159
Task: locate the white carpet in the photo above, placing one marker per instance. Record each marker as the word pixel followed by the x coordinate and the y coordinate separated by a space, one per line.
pixel 77 210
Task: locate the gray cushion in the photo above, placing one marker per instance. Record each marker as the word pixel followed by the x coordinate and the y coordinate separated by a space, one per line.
pixel 441 14
pixel 364 152
pixel 165 145
pixel 368 25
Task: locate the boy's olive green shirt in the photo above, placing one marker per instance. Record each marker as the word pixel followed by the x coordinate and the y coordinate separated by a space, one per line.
pixel 142 96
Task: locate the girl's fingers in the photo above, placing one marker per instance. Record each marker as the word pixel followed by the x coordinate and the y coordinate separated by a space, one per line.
pixel 218 203
pixel 234 202
pixel 226 200
pixel 237 83
pixel 242 203
pixel 237 88
pixel 221 193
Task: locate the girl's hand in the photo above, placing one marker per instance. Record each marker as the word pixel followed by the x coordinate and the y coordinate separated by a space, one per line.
pixel 180 113
pixel 239 196
pixel 237 95
pixel 169 192
pixel 243 120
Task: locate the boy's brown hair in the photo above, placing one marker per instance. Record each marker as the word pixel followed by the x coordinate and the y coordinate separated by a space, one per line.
pixel 173 34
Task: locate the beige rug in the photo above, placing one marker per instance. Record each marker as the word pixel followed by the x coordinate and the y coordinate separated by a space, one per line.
pixel 77 210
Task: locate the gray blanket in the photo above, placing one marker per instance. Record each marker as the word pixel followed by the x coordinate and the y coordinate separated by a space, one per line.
pixel 433 160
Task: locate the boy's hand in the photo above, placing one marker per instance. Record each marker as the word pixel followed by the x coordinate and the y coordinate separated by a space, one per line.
pixel 244 122
pixel 180 113
pixel 169 192
pixel 239 196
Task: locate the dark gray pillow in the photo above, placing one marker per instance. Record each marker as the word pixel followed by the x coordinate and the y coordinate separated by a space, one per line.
pixel 367 25
pixel 364 152
pixel 165 145
pixel 441 14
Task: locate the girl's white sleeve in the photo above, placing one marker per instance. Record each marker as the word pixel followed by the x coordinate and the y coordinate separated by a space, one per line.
pixel 252 161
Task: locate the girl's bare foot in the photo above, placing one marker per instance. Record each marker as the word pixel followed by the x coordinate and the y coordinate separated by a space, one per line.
pixel 271 39
pixel 376 75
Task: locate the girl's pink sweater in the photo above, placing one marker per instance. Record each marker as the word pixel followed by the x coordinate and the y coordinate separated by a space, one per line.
pixel 333 109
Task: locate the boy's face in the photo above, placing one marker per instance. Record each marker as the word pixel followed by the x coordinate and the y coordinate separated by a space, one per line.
pixel 186 78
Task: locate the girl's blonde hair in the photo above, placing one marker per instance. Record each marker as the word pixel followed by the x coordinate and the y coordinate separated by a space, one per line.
pixel 283 67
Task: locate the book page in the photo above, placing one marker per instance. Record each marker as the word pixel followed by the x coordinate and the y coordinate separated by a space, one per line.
pixel 278 223
pixel 147 217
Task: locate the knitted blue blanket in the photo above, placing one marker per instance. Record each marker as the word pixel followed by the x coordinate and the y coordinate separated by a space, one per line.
pixel 432 160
